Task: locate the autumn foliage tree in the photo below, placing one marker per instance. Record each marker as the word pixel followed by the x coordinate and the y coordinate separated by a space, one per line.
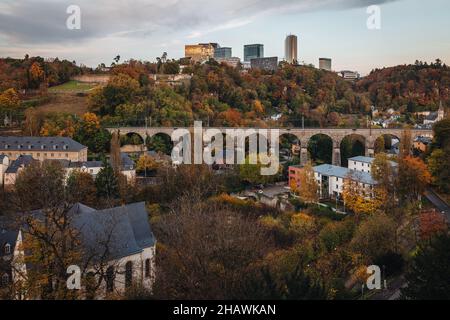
pixel 413 178
pixel 308 189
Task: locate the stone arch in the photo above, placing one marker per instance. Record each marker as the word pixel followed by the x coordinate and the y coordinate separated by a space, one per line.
pixel 352 145
pixel 131 138
pixel 291 143
pixel 385 142
pixel 321 148
pixel 159 142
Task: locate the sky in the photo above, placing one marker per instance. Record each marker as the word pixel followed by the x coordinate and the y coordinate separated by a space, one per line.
pixel 144 29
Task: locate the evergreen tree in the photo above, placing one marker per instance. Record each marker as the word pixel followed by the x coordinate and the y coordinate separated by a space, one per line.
pixel 429 273
pixel 107 183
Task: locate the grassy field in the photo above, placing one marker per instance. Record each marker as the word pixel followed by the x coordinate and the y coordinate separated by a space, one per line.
pixel 73 86
pixel 66 102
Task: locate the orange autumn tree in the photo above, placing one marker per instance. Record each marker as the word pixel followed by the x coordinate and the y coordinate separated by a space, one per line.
pixel 308 188
pixel 362 200
pixel 414 177
pixel 9 99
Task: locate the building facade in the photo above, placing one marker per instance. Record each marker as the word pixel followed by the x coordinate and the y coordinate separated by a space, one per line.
pixel 290 49
pixel 223 53
pixel 331 179
pixel 325 64
pixel 199 52
pixel 349 75
pixel 253 51
pixel 267 64
pixel 43 148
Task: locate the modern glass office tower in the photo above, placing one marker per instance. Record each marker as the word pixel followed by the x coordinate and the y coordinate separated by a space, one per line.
pixel 222 53
pixel 253 51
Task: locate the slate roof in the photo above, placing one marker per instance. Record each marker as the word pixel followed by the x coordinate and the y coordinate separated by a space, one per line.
pixel 125 230
pixel 127 163
pixel 40 143
pixel 21 161
pixel 432 116
pixel 341 172
pixel 120 231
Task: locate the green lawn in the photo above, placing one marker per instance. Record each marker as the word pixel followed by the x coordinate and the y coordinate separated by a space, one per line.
pixel 73 86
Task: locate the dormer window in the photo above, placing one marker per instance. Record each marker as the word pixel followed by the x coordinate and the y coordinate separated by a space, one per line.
pixel 30 147
pixel 43 146
pixel 55 147
pixel 19 146
pixel 6 146
pixel 7 249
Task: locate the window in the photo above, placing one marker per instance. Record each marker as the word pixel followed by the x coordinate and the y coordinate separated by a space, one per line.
pixel 7 248
pixel 128 274
pixel 147 268
pixel 5 279
pixel 110 279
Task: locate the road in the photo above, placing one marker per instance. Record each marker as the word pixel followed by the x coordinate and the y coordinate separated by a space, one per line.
pixel 440 204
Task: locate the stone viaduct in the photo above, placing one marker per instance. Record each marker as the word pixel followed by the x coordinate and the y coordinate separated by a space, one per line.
pixel 369 136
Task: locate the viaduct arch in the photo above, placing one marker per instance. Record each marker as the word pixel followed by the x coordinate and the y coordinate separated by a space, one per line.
pixel 303 135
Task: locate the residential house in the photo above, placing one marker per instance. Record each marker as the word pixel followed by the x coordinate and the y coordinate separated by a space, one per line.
pixel 119 241
pixel 421 143
pixel 8 241
pixel 15 168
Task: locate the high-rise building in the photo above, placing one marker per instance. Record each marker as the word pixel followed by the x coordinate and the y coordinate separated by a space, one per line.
pixel 290 49
pixel 200 52
pixel 325 64
pixel 222 53
pixel 253 51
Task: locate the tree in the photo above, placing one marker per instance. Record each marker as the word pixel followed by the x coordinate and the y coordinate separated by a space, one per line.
pixel 146 164
pixel 429 271
pixel 439 166
pixel 375 236
pixel 413 177
pixel 116 160
pixel 33 122
pixel 81 188
pixel 362 200
pixel 251 173
pixel 308 190
pixel 192 268
pixel 9 100
pixel 107 183
pixel 431 223
pixel 405 143
pixel 90 133
pixel 36 76
pixel 382 171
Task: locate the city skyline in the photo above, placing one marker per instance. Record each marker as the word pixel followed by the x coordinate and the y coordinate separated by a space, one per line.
pixel 337 29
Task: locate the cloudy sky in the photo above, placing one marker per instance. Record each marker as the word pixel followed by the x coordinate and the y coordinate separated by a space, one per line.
pixel 143 29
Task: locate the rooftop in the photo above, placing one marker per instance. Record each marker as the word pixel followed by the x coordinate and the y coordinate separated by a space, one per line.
pixel 21 162
pixel 40 143
pixel 341 172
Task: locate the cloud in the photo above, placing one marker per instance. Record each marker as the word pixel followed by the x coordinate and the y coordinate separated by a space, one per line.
pixel 31 22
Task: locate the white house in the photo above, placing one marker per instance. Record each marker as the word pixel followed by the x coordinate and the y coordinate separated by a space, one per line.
pixel 331 180
pixel 4 164
pixel 119 241
pixel 363 164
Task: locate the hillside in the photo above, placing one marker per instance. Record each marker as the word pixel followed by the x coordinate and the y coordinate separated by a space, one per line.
pixel 408 88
